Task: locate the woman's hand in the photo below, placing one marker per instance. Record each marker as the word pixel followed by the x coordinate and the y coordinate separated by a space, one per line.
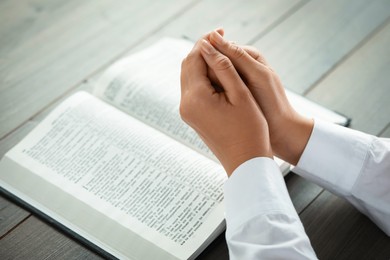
pixel 289 131
pixel 229 121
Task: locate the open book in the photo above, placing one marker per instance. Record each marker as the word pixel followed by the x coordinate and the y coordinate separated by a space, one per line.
pixel 119 168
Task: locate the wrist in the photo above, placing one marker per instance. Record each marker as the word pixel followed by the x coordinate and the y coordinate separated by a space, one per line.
pixel 239 155
pixel 291 137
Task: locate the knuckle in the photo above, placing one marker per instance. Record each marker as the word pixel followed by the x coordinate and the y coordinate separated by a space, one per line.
pixel 263 75
pixel 225 45
pixel 222 63
pixel 205 36
pixel 260 57
pixel 236 51
pixel 257 55
pixel 253 52
pixel 267 74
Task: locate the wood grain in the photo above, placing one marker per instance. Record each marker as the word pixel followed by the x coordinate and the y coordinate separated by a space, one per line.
pixel 34 239
pixel 302 192
pixel 306 45
pixel 10 216
pixel 46 51
pixel 359 87
pixel 386 132
pixel 243 21
pixel 338 231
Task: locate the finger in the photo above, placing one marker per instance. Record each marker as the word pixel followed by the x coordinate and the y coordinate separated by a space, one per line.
pixel 246 65
pixel 221 31
pixel 193 63
pixel 206 37
pixel 254 53
pixel 224 71
pixel 210 72
pixel 214 80
pixel 194 73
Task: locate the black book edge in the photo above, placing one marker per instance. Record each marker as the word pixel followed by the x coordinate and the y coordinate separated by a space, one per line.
pixel 56 225
pixel 348 120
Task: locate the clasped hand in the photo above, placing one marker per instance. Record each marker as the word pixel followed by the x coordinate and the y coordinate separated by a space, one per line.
pixel 237 105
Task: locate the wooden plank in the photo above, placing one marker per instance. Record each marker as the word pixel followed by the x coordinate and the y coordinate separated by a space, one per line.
pixel 10 216
pixel 243 21
pixel 260 16
pixel 208 15
pixel 22 20
pixel 338 231
pixel 34 239
pixel 359 87
pixel 386 132
pixel 310 42
pixel 266 14
pixel 38 68
pixel 302 192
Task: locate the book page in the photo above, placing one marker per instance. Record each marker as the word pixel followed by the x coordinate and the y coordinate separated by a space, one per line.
pixel 154 187
pixel 146 85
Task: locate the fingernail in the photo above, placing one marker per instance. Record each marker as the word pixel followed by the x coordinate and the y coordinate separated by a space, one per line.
pixel 218 38
pixel 207 47
pixel 219 30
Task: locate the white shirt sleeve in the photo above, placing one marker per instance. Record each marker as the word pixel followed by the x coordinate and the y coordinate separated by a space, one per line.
pixel 353 165
pixel 261 221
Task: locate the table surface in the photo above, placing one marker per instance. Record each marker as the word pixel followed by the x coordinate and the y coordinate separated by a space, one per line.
pixel 335 53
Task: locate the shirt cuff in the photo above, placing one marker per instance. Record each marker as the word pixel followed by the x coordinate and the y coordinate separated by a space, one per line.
pixel 256 188
pixel 333 157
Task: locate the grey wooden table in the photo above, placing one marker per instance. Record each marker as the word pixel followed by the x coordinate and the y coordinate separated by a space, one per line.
pixel 336 53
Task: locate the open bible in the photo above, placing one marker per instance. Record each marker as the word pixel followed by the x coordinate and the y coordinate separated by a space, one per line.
pixel 119 169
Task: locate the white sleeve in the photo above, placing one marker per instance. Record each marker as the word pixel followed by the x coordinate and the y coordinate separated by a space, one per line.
pixel 353 165
pixel 261 221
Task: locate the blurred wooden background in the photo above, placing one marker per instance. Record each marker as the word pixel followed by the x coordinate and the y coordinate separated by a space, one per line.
pixel 336 53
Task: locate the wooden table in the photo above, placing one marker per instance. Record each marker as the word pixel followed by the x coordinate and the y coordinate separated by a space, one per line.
pixel 333 52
